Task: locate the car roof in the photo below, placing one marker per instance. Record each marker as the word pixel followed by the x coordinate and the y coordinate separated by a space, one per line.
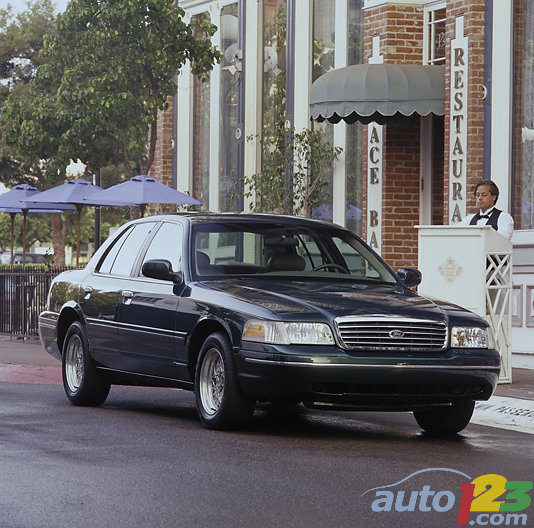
pixel 209 217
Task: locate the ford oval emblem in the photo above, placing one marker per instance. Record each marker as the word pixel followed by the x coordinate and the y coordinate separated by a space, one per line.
pixel 396 334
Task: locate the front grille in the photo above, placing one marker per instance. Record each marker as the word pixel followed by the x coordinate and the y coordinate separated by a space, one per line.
pixel 389 333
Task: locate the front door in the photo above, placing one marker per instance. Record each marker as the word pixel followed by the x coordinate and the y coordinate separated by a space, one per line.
pixel 148 311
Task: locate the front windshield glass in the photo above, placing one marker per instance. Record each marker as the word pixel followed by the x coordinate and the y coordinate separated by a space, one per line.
pixel 238 249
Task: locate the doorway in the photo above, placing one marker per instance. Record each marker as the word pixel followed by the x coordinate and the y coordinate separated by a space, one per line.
pixel 432 192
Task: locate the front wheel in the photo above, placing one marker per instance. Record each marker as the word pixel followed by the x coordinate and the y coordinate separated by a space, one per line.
pixel 82 382
pixel 220 402
pixel 446 420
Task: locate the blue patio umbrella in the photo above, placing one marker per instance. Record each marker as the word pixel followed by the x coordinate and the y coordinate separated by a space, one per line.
pixel 322 212
pixel 353 213
pixel 73 192
pixel 20 199
pixel 140 191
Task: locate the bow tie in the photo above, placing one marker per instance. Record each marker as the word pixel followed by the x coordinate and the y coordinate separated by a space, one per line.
pixel 480 216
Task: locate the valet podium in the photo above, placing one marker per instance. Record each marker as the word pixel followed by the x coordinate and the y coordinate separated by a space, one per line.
pixel 471 266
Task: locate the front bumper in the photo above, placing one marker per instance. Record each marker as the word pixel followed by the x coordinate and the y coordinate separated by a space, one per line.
pixel 366 381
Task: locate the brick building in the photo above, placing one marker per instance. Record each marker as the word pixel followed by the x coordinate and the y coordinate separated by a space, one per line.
pixel 405 171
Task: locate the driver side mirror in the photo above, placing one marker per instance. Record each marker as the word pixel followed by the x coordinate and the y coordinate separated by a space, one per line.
pixel 162 270
pixel 411 277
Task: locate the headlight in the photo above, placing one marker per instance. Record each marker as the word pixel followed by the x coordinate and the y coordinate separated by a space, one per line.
pixel 472 337
pixel 280 333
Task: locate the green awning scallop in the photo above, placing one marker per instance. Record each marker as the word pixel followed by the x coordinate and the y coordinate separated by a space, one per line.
pixel 378 92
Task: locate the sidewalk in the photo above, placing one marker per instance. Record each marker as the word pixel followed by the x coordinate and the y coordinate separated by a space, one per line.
pixel 25 361
pixel 24 352
pixel 511 407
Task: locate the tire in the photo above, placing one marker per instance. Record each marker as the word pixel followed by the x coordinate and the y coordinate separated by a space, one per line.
pixel 83 383
pixel 220 402
pixel 446 420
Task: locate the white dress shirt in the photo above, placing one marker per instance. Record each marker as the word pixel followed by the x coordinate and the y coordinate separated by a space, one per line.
pixel 505 223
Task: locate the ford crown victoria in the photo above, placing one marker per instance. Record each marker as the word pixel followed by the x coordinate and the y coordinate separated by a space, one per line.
pixel 251 308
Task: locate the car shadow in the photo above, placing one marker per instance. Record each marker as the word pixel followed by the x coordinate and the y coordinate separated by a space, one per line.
pixel 272 420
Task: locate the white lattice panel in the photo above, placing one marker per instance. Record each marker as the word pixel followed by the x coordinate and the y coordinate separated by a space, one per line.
pixel 499 308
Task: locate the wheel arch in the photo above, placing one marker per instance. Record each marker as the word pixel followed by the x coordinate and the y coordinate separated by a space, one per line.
pixel 70 312
pixel 203 329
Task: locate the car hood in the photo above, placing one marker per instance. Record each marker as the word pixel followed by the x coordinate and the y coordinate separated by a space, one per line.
pixel 287 298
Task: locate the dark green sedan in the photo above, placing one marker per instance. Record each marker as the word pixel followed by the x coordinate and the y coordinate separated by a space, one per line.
pixel 245 308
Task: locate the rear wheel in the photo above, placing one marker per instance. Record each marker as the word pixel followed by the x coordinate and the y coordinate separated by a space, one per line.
pixel 220 402
pixel 446 420
pixel 83 383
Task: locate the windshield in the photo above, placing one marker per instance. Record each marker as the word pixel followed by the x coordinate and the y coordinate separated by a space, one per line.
pixel 230 249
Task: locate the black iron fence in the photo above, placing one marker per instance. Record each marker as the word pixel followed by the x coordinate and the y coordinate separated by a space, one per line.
pixel 23 291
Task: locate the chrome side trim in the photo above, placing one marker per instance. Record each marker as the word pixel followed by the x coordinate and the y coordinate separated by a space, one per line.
pixel 149 330
pixel 100 322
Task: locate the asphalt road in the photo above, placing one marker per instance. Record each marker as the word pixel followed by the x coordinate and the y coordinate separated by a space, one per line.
pixel 144 460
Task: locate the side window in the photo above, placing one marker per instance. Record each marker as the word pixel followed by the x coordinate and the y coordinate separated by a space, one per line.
pixel 105 265
pixel 167 244
pixel 121 258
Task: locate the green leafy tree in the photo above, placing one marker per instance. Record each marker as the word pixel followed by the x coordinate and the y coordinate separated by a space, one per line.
pixel 21 44
pixel 109 68
pixel 21 41
pixel 38 228
pixel 307 156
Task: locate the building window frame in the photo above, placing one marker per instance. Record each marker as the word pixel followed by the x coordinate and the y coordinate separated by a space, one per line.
pixel 432 19
pixel 184 109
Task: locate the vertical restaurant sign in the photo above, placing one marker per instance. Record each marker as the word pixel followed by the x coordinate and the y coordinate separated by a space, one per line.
pixel 458 124
pixel 374 170
pixel 374 186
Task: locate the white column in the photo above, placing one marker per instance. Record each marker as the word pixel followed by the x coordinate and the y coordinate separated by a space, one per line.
pixel 253 90
pixel 374 170
pixel 339 200
pixel 303 51
pixel 501 100
pixel 184 123
pixel 215 110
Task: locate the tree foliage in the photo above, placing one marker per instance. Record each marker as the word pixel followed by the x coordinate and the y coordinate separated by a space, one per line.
pixel 21 41
pixel 295 170
pixel 305 156
pixel 38 228
pixel 104 71
pixel 108 70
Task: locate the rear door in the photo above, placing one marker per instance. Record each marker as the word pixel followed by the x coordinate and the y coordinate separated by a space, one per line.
pixel 103 293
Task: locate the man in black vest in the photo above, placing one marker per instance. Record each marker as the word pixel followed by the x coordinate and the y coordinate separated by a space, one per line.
pixel 486 195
